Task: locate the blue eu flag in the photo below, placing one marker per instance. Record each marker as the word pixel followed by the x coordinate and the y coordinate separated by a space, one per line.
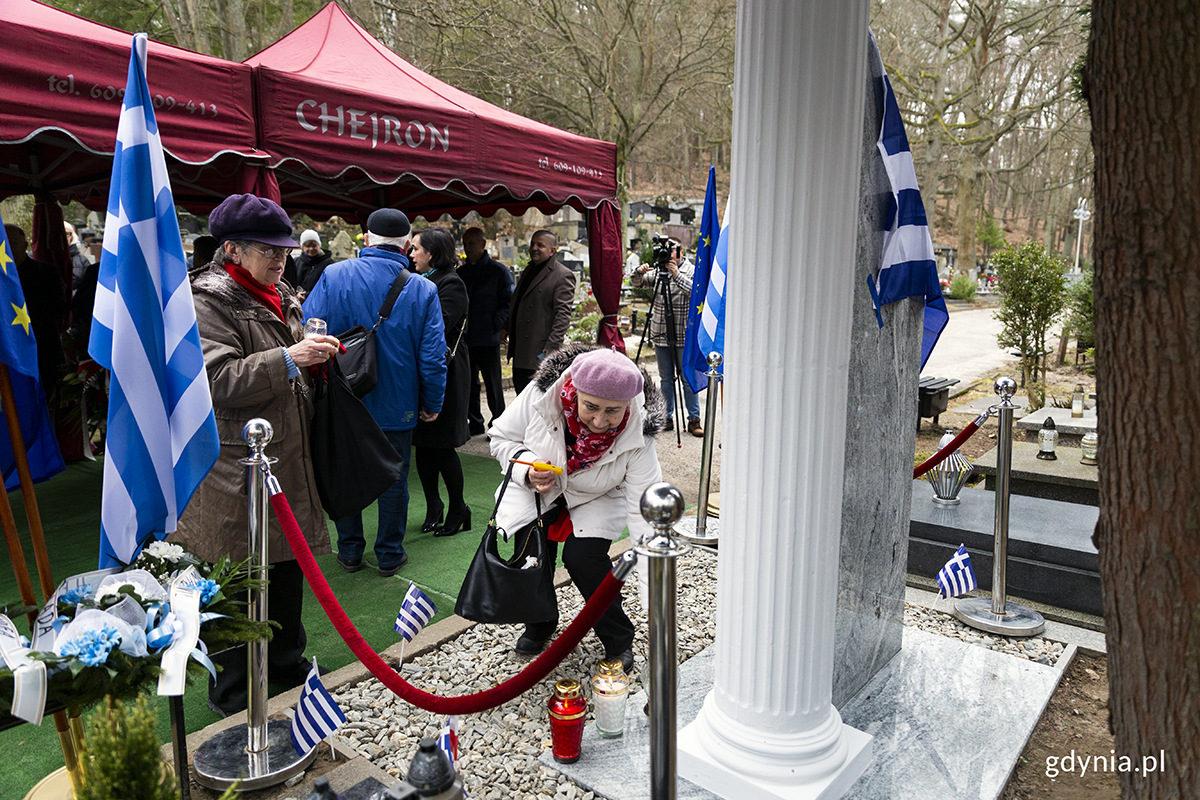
pixel 695 357
pixel 18 351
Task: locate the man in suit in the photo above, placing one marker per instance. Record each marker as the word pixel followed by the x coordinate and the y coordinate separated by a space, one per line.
pixel 490 288
pixel 541 309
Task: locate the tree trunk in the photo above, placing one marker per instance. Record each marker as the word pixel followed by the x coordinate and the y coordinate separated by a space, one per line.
pixel 968 182
pixel 1143 72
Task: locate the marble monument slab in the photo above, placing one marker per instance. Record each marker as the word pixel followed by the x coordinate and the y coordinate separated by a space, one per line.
pixel 949 720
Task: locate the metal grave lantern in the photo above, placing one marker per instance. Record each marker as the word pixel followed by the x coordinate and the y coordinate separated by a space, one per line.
pixel 949 477
pixel 1047 440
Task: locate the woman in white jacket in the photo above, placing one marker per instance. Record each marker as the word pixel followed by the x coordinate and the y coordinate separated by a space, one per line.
pixel 593 413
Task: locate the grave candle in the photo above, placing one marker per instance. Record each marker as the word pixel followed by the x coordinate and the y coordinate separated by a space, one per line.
pixel 567 717
pixel 610 693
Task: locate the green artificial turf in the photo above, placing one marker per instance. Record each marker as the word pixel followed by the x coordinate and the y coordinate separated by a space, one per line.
pixel 70 509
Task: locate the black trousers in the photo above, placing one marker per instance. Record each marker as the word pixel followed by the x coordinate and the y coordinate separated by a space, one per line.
pixel 485 360
pixel 521 378
pixel 286 663
pixel 587 561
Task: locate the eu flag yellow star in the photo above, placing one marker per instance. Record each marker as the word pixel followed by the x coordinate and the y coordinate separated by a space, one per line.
pixel 5 258
pixel 700 308
pixel 22 317
pixel 704 241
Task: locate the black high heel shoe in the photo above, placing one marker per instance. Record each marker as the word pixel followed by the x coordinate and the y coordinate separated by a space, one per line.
pixel 432 525
pixel 453 526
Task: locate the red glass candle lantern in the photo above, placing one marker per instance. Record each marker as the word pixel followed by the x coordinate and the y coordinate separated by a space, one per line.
pixel 568 713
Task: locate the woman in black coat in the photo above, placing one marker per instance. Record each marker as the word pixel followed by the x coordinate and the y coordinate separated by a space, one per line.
pixel 434 258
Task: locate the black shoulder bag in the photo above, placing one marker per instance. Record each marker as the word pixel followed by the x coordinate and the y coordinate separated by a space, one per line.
pixel 353 461
pixel 510 590
pixel 358 362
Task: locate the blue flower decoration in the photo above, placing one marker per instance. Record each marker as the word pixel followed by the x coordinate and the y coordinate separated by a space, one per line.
pixel 76 596
pixel 92 647
pixel 208 590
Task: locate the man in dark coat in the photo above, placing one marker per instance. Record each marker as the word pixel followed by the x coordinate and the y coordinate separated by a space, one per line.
pixel 541 309
pixel 490 288
pixel 312 261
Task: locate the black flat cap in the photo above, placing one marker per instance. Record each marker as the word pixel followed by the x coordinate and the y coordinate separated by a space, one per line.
pixel 389 222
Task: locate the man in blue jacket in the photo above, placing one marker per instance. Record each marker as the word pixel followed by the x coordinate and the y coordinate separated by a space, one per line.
pixel 411 354
pixel 490 288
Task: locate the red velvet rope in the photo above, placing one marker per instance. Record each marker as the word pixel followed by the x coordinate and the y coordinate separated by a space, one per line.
pixel 945 452
pixel 464 704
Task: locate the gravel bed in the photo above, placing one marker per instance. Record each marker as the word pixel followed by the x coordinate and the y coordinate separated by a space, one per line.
pixel 499 749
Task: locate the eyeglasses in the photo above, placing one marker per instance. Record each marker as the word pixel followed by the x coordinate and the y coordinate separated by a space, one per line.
pixel 270 252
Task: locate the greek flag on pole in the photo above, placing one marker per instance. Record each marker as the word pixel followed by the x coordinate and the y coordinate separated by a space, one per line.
pixel 415 613
pixel 957 577
pixel 908 267
pixel 317 715
pixel 162 436
pixel 695 357
pixel 447 740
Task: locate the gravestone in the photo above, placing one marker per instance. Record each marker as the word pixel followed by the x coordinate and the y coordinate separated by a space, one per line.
pixel 880 440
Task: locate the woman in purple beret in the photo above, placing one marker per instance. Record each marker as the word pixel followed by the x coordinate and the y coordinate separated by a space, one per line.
pixel 593 413
pixel 252 332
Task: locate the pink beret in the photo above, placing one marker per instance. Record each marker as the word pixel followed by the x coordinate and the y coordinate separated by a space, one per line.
pixel 606 374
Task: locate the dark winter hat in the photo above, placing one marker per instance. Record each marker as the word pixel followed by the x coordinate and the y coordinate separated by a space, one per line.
pixel 254 219
pixel 388 222
pixel 606 374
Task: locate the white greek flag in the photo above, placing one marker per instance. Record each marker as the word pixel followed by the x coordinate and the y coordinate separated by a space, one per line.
pixel 711 336
pixel 415 613
pixel 957 577
pixel 162 436
pixel 317 714
pixel 908 267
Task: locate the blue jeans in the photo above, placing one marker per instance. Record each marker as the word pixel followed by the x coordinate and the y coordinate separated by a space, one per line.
pixel 393 514
pixel 665 371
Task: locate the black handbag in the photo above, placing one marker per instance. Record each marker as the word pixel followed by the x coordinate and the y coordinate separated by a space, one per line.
pixel 358 363
pixel 497 589
pixel 353 461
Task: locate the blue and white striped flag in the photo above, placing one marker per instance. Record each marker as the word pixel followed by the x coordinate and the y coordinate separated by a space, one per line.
pixel 695 360
pixel 447 740
pixel 162 436
pixel 908 267
pixel 711 335
pixel 957 577
pixel 317 714
pixel 415 613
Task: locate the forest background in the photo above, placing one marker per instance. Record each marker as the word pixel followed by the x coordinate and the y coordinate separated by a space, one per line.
pixel 988 88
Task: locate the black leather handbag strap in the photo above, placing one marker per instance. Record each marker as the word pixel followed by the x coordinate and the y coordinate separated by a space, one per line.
pixel 393 295
pixel 537 498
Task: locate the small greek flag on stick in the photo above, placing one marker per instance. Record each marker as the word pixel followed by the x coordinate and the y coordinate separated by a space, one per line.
pixel 415 613
pixel 957 577
pixel 317 715
pixel 447 740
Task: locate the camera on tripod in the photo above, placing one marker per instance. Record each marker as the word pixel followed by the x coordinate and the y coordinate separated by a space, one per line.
pixel 664 248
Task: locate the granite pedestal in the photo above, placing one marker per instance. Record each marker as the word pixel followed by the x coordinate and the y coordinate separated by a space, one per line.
pixel 1051 558
pixel 1070 429
pixel 1063 479
pixel 949 720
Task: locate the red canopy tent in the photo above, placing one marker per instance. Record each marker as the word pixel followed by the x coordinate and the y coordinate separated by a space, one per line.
pixel 349 127
pixel 63 81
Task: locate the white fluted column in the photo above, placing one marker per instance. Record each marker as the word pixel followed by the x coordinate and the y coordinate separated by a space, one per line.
pixel 768 727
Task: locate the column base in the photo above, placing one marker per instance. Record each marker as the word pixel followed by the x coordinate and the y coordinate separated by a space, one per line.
pixel 699 766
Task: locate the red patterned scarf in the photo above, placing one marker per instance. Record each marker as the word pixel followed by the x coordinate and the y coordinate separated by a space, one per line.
pixel 267 295
pixel 588 447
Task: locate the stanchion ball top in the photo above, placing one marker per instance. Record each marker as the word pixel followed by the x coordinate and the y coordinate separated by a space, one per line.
pixel 257 432
pixel 662 504
pixel 1005 387
pixel 714 360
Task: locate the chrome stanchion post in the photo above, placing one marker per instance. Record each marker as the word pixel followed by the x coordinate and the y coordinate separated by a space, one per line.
pixel 662 505
pixel 998 615
pixel 706 533
pixel 259 753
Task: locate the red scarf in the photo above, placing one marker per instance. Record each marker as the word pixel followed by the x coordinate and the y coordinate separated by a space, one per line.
pixel 588 447
pixel 267 295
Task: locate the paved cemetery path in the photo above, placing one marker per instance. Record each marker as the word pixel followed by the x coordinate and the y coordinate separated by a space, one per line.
pixel 968 349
